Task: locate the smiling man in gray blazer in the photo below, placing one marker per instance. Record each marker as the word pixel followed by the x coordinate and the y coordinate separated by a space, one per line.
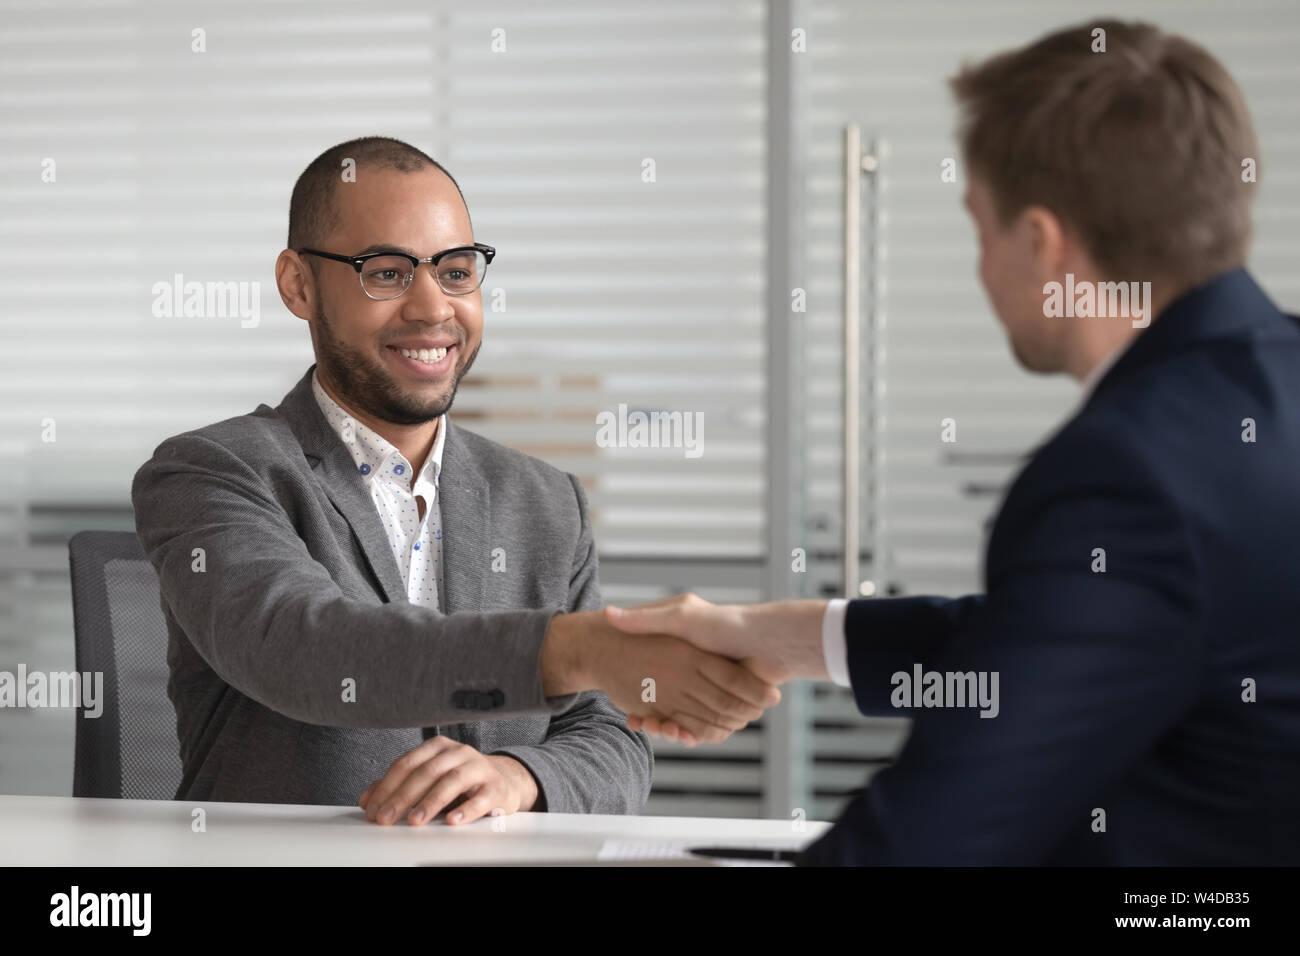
pixel 367 604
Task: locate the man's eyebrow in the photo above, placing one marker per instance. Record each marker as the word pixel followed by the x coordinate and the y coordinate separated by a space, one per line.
pixel 389 247
pixel 386 247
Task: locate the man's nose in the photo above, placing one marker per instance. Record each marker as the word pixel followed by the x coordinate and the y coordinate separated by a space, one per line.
pixel 426 295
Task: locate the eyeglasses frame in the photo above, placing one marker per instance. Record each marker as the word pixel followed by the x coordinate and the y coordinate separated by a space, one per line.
pixel 357 262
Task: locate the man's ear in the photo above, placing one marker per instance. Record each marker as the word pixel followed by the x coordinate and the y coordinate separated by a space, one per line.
pixel 1046 239
pixel 294 279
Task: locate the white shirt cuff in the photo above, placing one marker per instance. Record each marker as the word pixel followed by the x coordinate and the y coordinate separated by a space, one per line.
pixel 834 646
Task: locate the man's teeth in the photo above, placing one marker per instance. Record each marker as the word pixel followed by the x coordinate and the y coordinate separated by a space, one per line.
pixel 425 355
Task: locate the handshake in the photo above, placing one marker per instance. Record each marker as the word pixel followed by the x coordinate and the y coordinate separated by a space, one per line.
pixel 684 668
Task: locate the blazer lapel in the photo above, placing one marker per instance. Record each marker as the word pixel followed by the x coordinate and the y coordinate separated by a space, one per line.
pixel 464 500
pixel 334 468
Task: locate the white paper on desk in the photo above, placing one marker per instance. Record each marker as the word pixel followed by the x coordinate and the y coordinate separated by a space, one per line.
pixel 679 850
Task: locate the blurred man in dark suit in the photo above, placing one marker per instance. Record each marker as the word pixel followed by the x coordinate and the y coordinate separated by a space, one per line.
pixel 1127 689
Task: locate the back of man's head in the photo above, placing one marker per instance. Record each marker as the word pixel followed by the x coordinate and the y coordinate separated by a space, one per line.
pixel 1134 138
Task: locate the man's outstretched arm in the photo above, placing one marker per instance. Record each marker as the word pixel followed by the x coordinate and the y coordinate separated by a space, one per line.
pixel 1079 672
pixel 271 621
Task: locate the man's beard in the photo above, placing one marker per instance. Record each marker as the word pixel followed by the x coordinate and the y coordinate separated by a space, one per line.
pixel 368 387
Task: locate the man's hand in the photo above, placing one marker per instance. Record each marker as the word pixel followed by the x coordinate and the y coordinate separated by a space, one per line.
pixel 442 774
pixel 778 641
pixel 704 696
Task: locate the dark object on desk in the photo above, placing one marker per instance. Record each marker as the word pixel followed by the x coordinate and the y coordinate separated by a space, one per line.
pixel 745 853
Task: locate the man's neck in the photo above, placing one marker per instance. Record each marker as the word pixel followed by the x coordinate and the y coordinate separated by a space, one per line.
pixel 415 442
pixel 1098 340
pixel 1091 352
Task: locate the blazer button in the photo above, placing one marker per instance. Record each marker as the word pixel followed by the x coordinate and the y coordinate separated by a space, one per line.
pixel 478 700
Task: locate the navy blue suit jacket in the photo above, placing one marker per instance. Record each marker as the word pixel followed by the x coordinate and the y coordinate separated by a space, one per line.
pixel 1124 691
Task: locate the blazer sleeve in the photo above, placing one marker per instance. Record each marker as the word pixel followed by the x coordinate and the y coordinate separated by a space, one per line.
pixel 1092 668
pixel 271 621
pixel 887 635
pixel 589 761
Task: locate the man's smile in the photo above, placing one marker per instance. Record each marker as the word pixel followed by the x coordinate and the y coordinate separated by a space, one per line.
pixel 426 360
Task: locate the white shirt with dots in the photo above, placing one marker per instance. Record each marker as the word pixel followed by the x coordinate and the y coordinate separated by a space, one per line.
pixel 416 543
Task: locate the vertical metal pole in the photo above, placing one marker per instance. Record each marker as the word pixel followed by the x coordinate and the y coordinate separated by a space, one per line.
pixel 852 356
pixel 786 727
pixel 877 544
pixel 856 164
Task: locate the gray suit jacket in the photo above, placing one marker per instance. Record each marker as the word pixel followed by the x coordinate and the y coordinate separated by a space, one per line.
pixel 298 668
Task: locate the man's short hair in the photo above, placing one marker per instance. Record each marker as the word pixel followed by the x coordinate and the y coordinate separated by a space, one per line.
pixel 1139 150
pixel 312 212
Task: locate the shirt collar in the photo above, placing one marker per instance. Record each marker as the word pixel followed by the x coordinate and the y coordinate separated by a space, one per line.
pixel 374 455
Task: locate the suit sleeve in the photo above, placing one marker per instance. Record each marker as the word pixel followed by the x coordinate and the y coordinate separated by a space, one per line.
pixel 898 632
pixel 1092 667
pixel 271 621
pixel 589 762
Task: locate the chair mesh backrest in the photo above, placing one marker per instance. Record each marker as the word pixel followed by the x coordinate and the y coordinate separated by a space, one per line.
pixel 130 750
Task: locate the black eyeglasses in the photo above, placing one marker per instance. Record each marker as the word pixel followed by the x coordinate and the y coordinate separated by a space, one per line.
pixel 386 275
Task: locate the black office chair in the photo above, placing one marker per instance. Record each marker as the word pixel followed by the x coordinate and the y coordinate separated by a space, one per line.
pixel 130 749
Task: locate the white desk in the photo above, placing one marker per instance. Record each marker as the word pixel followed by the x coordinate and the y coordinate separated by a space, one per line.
pixel 79 831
